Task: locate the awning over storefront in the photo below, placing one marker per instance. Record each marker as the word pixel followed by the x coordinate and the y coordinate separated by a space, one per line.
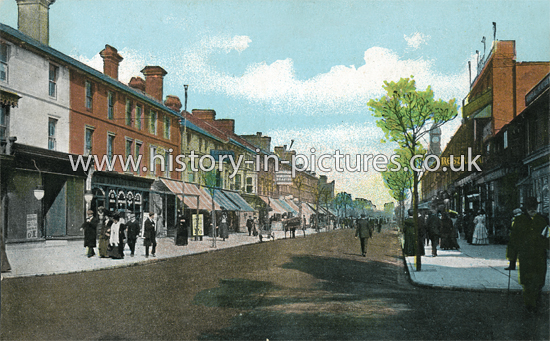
pixel 285 206
pixel 190 193
pixel 292 205
pixel 275 207
pixel 239 201
pixel 221 199
pixel 306 209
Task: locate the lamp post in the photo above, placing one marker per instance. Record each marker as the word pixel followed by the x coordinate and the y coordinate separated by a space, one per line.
pixel 39 195
pixel 88 197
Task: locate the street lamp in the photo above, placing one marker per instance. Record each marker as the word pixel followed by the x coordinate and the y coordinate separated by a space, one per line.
pixel 88 196
pixel 39 192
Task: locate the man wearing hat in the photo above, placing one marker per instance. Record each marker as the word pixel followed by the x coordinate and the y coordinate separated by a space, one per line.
pixel 132 228
pixel 90 232
pixel 529 245
pixel 149 234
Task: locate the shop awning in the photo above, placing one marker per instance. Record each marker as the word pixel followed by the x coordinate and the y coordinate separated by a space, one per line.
pixel 239 201
pixel 306 209
pixel 276 208
pixel 221 199
pixel 190 194
pixel 292 205
pixel 285 206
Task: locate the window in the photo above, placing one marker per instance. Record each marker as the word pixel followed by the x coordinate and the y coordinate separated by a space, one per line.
pixel 237 182
pixel 153 165
pixel 249 185
pixel 110 105
pixel 110 145
pixel 167 127
pixel 166 164
pixel 4 53
pixel 52 122
pixel 54 70
pixel 89 141
pixel 128 112
pixel 129 148
pixel 506 139
pixel 153 122
pixel 4 122
pixel 89 95
pixel 138 117
pixel 138 152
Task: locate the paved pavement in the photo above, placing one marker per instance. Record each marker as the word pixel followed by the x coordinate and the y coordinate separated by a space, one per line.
pixel 473 267
pixel 470 268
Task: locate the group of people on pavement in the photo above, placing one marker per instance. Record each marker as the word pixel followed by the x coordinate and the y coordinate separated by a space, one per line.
pixel 115 232
pixel 529 242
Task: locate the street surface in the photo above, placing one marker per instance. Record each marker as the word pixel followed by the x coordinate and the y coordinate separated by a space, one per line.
pixel 311 288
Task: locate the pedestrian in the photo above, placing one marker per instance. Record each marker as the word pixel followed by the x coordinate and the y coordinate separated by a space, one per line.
pixel 181 231
pixel 5 264
pixel 132 229
pixel 512 257
pixel 529 243
pixel 469 225
pixel 363 232
pixel 104 232
pixel 90 233
pixel 446 231
pixel 480 235
pixel 379 225
pixel 224 229
pixel 433 225
pixel 409 235
pixel 150 235
pixel 116 239
pixel 249 224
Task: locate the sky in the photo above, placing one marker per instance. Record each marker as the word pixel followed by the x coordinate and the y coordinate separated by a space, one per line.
pixel 299 70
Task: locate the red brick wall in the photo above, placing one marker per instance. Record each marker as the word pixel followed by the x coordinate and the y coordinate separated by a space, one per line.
pixel 97 118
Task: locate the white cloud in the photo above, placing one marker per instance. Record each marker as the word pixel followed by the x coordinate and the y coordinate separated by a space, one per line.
pixel 415 40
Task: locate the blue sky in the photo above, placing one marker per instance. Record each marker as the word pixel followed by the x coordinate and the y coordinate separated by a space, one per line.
pixel 301 70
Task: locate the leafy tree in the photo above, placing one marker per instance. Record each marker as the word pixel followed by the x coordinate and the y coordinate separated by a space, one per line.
pixel 399 176
pixel 404 116
pixel 211 181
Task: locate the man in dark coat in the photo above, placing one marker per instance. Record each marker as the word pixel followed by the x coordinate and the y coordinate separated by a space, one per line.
pixel 181 231
pixel 150 235
pixel 90 232
pixel 529 243
pixel 409 234
pixel 249 225
pixel 364 232
pixel 132 229
pixel 433 225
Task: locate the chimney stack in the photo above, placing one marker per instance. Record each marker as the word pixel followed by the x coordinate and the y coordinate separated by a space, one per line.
pixel 33 19
pixel 173 102
pixel 205 114
pixel 154 78
pixel 137 83
pixel 227 125
pixel 111 60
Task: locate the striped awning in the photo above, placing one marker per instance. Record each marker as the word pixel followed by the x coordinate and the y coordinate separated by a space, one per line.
pixel 306 209
pixel 276 208
pixel 285 206
pixel 292 205
pixel 221 199
pixel 190 193
pixel 239 201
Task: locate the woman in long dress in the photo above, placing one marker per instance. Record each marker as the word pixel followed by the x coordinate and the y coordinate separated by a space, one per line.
pixel 104 233
pixel 480 236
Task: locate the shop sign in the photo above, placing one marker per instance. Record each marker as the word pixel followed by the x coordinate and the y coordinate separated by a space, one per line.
pixel 32 226
pixel 197 226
